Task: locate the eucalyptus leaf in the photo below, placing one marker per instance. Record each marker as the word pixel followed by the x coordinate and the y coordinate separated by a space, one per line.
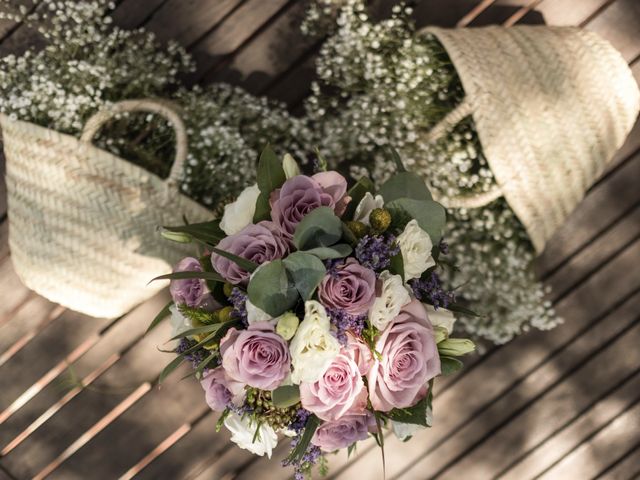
pixel 339 250
pixel 393 154
pixel 164 313
pixel 243 263
pixel 430 215
pixel 206 232
pixel 454 307
pixel 404 185
pixel 263 209
pixel 357 193
pixel 320 228
pixel 197 331
pixel 450 365
pixel 306 271
pixel 271 290
pixel 182 275
pixel 285 396
pixel 270 173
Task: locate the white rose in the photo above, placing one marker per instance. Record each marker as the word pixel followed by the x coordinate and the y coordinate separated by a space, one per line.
pixel 392 297
pixel 243 433
pixel 179 323
pixel 313 347
pixel 440 317
pixel 254 314
pixel 290 166
pixel 239 214
pixel 366 206
pixel 415 245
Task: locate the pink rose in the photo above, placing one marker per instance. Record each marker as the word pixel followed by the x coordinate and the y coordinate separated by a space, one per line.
pixel 409 359
pixel 360 353
pixel 340 390
pixel 331 436
pixel 220 390
pixel 259 243
pixel 301 194
pixel 257 356
pixel 188 291
pixel 349 287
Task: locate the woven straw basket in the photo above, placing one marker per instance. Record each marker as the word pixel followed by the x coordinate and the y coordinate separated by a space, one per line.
pixel 83 222
pixel 551 107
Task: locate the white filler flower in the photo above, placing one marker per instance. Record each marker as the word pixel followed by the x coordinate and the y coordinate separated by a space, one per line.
pixel 239 214
pixel 415 245
pixel 243 434
pixel 313 347
pixel 393 296
pixel 366 206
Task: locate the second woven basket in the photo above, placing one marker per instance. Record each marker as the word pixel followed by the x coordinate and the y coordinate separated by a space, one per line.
pixel 83 222
pixel 551 107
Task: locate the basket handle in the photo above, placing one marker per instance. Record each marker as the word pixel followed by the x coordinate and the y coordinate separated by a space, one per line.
pixel 450 120
pixel 164 108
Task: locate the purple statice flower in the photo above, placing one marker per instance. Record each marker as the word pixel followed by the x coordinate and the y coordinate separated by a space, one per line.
pixel 375 251
pixel 332 264
pixel 313 452
pixel 345 322
pixel 431 290
pixel 239 301
pixel 197 356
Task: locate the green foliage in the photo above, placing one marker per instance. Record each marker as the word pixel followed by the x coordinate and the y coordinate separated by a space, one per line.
pixel 306 271
pixel 339 250
pixel 450 365
pixel 208 233
pixel 182 275
pixel 271 289
pixel 430 215
pixel 404 185
pixel 198 316
pixel 320 228
pixel 357 193
pixel 416 415
pixel 270 174
pixel 285 396
pixel 243 263
pixel 310 428
pixel 164 313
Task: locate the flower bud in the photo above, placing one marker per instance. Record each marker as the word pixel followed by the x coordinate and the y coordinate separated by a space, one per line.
pixel 287 325
pixel 224 314
pixel 456 347
pixel 379 219
pixel 227 289
pixel 359 229
pixel 290 166
pixel 178 237
pixel 440 333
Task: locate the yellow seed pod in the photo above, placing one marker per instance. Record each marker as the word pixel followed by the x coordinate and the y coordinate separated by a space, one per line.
pixel 224 314
pixel 359 229
pixel 380 219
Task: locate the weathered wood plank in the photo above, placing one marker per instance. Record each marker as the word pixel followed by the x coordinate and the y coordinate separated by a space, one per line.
pixel 132 13
pixel 627 468
pixel 561 444
pixel 499 372
pixel 271 52
pixel 219 45
pixel 185 21
pixel 568 12
pixel 524 417
pixel 13 294
pixel 602 206
pixel 619 23
pixel 3 189
pixel 33 317
pixel 501 10
pixel 602 450
pixel 4 240
pixel 121 337
pixel 140 364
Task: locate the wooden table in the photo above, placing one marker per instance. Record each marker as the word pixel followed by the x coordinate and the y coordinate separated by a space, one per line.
pixel 559 404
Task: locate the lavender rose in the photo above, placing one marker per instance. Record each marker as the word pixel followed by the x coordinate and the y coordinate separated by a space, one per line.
pixel 409 359
pixel 220 390
pixel 259 243
pixel 257 356
pixel 349 287
pixel 189 291
pixel 340 390
pixel 331 436
pixel 301 194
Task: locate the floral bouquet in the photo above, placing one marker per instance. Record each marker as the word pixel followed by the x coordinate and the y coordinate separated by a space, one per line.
pixel 316 311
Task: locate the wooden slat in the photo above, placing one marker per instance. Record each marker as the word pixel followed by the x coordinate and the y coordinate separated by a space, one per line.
pixel 619 23
pixel 559 445
pixel 269 53
pixel 219 45
pixel 605 448
pixel 132 13
pixel 497 373
pixel 185 21
pixel 117 340
pixel 140 364
pixel 3 188
pixel 626 468
pixel 502 10
pixel 4 240
pixel 13 294
pixel 569 12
